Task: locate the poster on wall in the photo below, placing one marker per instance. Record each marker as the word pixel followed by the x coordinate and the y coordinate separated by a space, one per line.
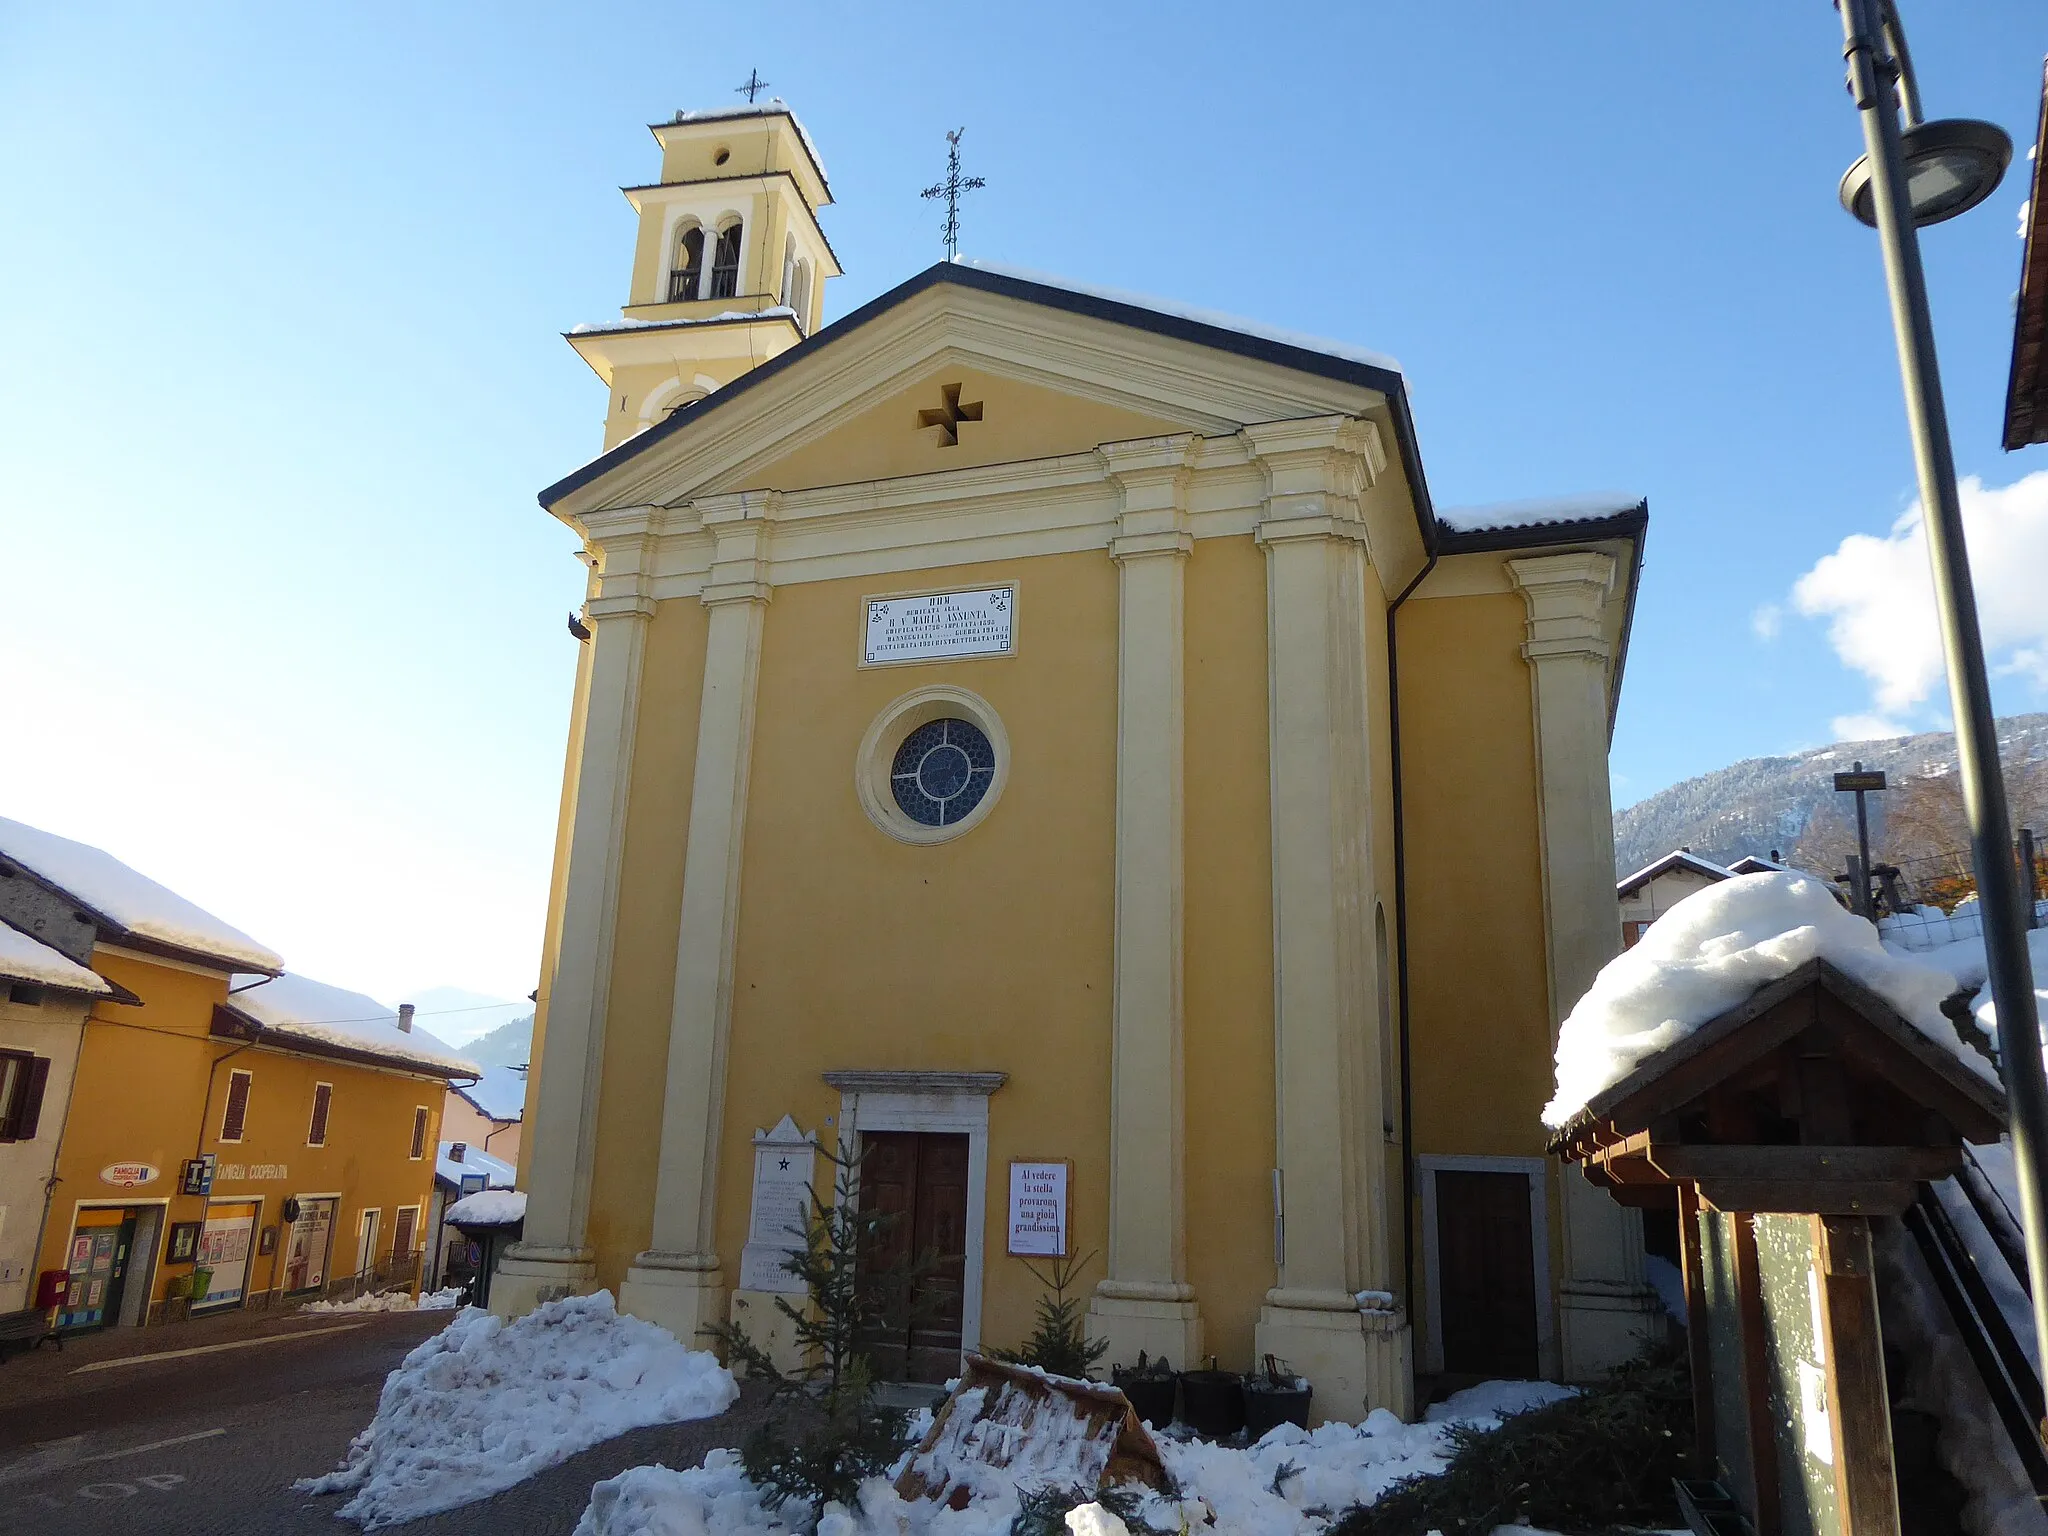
pixel 224 1244
pixel 1038 1209
pixel 305 1260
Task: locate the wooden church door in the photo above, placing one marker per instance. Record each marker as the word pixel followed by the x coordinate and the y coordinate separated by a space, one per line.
pixel 1486 1275
pixel 920 1178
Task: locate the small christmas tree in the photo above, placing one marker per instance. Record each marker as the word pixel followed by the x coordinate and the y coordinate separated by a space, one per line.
pixel 1059 1343
pixel 829 1434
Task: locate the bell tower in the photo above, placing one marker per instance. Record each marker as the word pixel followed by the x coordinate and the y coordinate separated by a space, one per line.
pixel 729 268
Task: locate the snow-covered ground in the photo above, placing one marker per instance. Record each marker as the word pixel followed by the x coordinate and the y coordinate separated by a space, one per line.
pixel 485 1404
pixel 392 1301
pixel 1221 1489
pixel 1712 950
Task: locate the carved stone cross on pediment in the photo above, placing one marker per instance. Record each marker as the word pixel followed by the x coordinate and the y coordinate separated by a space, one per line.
pixel 947 418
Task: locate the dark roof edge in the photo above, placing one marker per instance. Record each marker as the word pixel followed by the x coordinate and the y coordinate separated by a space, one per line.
pixel 258 1033
pixel 1220 338
pixel 683 323
pixel 2037 231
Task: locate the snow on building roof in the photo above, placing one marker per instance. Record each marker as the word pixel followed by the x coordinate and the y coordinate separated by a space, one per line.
pixel 125 900
pixel 488 1208
pixel 1210 317
pixel 1537 514
pixel 314 1011
pixel 723 317
pixel 774 106
pixel 1678 858
pixel 499 1094
pixel 26 958
pixel 1710 952
pixel 498 1174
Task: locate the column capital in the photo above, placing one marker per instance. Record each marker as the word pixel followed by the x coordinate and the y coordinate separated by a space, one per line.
pixel 1151 476
pixel 625 602
pixel 1567 597
pixel 739 525
pixel 1317 472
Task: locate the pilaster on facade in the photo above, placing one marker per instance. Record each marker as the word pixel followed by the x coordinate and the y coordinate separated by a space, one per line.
pixel 553 1257
pixel 1144 1302
pixel 677 1282
pixel 1606 1303
pixel 1331 1216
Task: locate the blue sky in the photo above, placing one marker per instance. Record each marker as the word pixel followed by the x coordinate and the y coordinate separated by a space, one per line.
pixel 283 289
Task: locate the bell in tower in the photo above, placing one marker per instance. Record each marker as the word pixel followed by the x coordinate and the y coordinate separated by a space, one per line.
pixel 728 270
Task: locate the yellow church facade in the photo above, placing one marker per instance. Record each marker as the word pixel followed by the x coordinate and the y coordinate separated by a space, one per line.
pixel 1035 733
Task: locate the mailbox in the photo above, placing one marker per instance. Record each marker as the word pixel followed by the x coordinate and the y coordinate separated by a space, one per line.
pixel 51 1285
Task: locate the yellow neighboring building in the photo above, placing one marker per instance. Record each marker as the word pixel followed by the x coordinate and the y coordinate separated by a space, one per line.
pixel 317 1109
pixel 1046 737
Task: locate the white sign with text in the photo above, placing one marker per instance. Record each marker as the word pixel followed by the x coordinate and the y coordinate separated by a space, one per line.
pixel 938 625
pixel 1038 1209
pixel 785 1162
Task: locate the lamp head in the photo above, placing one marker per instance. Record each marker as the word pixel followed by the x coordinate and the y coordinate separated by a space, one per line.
pixel 1952 165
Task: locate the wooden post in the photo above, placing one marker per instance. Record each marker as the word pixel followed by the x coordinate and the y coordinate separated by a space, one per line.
pixel 1697 1345
pixel 1864 1473
pixel 1763 1439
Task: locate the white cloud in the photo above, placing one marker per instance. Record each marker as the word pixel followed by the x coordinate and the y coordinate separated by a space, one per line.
pixel 1767 621
pixel 1878 599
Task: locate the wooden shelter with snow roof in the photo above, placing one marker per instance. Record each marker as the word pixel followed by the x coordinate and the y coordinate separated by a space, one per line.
pixel 1779 1129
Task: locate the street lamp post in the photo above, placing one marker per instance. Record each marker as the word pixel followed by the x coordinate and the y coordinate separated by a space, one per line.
pixel 1955 167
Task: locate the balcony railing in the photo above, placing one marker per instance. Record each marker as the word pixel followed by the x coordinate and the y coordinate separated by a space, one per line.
pixel 682 286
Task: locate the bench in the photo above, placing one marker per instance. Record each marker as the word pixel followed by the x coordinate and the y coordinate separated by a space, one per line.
pixel 26 1330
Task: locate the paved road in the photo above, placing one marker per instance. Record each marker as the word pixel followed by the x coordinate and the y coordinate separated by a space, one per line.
pixel 207 1444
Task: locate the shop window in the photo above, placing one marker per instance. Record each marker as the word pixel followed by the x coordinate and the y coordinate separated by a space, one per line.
pixel 419 1133
pixel 323 1098
pixel 22 1078
pixel 234 1118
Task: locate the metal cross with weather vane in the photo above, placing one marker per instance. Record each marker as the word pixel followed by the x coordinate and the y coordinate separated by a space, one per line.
pixel 950 189
pixel 754 86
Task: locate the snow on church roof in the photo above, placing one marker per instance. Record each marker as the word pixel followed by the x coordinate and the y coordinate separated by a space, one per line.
pixel 1539 514
pixel 317 1012
pixel 1210 317
pixel 129 901
pixel 25 958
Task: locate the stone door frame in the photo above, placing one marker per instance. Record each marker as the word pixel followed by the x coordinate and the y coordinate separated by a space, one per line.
pixel 1537 1171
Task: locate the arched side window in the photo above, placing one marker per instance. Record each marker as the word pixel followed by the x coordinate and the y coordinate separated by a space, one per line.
pixel 789 270
pixel 686 265
pixel 725 263
pixel 800 293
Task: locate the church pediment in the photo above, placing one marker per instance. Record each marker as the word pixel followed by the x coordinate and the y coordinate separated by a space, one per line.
pixel 963 367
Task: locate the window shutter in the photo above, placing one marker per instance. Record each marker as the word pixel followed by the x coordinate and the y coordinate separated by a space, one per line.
pixel 32 1099
pixel 235 1116
pixel 403 1234
pixel 316 1134
pixel 419 1132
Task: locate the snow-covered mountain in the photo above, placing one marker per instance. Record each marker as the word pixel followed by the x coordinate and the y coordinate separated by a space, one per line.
pixel 1763 803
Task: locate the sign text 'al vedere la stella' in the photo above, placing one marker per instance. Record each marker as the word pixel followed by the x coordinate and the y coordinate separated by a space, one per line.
pixel 936 626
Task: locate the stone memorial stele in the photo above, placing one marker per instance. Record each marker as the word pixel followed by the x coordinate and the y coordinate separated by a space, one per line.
pixel 785 1163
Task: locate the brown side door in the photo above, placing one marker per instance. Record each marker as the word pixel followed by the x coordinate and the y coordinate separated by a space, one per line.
pixel 919 1178
pixel 1486 1274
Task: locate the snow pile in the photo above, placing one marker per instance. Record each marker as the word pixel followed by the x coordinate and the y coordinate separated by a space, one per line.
pixel 313 1010
pixel 1222 1489
pixel 475 1163
pixel 23 958
pixel 391 1301
pixel 1710 952
pixel 128 900
pixel 488 1208
pixel 485 1404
